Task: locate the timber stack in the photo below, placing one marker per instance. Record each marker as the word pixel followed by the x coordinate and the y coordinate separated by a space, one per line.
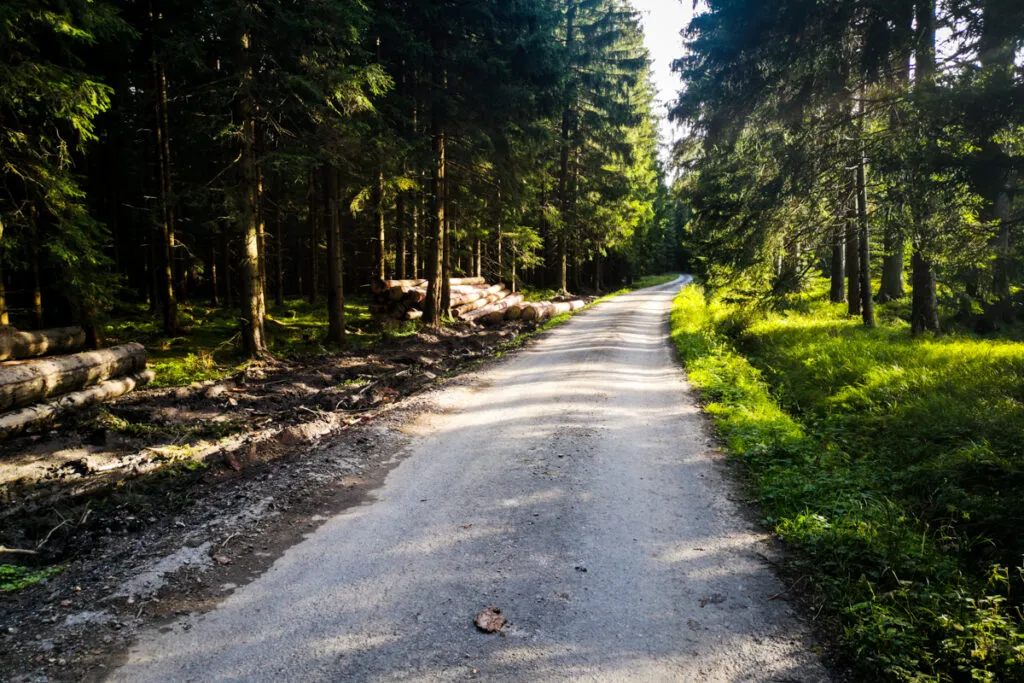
pixel 46 373
pixel 473 300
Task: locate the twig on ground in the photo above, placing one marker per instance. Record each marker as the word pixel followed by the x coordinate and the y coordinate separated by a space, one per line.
pixel 16 551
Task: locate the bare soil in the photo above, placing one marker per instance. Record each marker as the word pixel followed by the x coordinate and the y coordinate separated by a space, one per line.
pixel 164 502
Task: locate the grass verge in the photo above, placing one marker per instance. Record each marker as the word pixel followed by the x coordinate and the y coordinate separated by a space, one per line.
pixel 891 465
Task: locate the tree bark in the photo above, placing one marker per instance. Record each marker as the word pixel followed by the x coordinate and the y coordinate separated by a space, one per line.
pixel 924 316
pixel 253 306
pixel 837 293
pixel 335 289
pixel 996 52
pixel 853 299
pixel 17 344
pixel 867 304
pixel 27 381
pixel 381 233
pixel 165 214
pixel 433 310
pixel 14 423
pixel 891 286
pixel 261 222
pixel 315 216
pixel 279 255
pixel 214 293
pixel 229 296
pixel 4 316
pixel 37 284
pixel 924 308
pixel 564 153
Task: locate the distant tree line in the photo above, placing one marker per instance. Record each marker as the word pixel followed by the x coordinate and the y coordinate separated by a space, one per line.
pixel 240 151
pixel 876 142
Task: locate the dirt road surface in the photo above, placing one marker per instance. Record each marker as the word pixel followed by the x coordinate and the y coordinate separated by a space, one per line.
pixel 576 488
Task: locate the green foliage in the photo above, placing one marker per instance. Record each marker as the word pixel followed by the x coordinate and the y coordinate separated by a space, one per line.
pixel 15 577
pixel 891 465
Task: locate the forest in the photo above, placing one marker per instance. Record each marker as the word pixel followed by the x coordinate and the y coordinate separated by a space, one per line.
pixel 230 154
pixel 852 175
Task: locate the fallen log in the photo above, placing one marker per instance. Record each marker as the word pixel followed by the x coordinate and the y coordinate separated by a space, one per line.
pixel 534 310
pixel 467 281
pixel 413 314
pixel 514 312
pixel 475 295
pixel 18 421
pixel 497 307
pixel 17 344
pixel 543 310
pixel 23 382
pixel 381 286
pixel 467 308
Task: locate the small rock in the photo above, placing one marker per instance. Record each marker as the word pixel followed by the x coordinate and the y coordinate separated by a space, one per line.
pixel 490 620
pixel 216 391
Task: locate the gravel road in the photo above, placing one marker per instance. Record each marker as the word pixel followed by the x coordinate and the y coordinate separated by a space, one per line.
pixel 573 486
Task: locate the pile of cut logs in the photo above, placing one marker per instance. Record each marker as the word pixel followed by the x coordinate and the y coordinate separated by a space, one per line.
pixel 473 300
pixel 35 390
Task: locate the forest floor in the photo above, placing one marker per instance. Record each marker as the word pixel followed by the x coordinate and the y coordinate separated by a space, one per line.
pixel 215 442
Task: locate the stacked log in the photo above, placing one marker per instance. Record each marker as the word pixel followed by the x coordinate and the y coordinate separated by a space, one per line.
pixel 61 383
pixel 472 299
pixel 542 310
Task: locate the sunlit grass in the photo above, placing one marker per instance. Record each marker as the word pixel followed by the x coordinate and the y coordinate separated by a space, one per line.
pixel 892 464
pixel 209 346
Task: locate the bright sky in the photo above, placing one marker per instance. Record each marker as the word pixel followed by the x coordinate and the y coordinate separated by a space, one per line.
pixel 663 20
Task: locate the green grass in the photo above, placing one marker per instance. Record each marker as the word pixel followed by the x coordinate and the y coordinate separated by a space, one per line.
pixel 652 281
pixel 892 466
pixel 209 348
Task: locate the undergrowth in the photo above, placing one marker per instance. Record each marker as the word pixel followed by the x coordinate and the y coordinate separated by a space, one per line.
pixel 893 467
pixel 208 347
pixel 15 577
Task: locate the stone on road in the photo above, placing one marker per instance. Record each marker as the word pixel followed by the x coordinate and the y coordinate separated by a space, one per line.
pixel 575 488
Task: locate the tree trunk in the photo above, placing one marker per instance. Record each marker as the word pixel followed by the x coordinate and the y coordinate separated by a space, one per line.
pixel 564 152
pixel 228 289
pixel 27 381
pixel 315 212
pixel 853 299
pixel 37 286
pixel 335 290
pixel 433 310
pixel 261 222
pixel 253 306
pixel 16 344
pixel 924 315
pixel 891 286
pixel 166 211
pixel 837 293
pixel 214 298
pixel 401 256
pixel 381 243
pixel 14 423
pixel 996 45
pixel 4 317
pixel 867 304
pixel 446 258
pixel 278 249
